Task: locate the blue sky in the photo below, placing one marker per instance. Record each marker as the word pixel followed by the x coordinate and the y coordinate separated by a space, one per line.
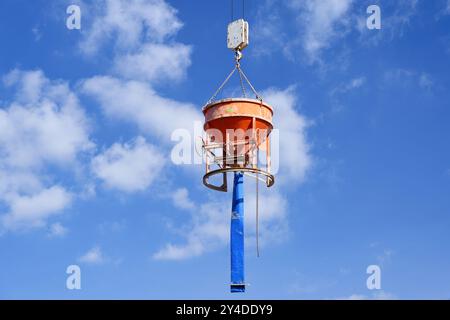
pixel 86 176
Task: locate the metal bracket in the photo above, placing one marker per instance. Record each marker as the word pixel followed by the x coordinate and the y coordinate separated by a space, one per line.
pixel 270 179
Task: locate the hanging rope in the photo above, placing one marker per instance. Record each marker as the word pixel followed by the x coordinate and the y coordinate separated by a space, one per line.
pixel 232 10
pixel 242 77
pixel 249 83
pixel 257 205
pixel 241 81
pixel 213 98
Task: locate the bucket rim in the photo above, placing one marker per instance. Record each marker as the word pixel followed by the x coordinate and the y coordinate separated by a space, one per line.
pixel 211 104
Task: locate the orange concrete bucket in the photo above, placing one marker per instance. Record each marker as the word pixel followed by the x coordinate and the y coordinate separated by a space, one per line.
pixel 237 129
pixel 238 114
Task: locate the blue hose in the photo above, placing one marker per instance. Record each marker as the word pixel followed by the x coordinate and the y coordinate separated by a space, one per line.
pixel 237 235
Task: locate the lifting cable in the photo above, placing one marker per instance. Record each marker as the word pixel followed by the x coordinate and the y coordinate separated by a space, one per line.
pixel 232 10
pixel 242 82
pixel 257 203
pixel 242 78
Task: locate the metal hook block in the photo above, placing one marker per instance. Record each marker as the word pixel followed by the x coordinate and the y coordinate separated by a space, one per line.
pixel 238 35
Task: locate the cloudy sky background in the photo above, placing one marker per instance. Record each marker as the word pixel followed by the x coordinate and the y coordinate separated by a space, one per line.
pixel 86 118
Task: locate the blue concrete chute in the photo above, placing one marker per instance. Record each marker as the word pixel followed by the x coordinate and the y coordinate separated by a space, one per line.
pixel 237 235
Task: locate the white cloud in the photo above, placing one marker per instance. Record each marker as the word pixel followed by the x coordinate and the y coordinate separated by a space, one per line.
pixel 377 295
pixel 354 83
pixel 29 84
pixel 319 23
pixel 36 33
pixel 273 214
pixel 425 81
pixel 155 62
pixel 268 25
pixel 357 83
pixel 193 248
pixel 322 22
pixel 129 167
pixel 208 229
pixel 129 22
pixel 93 256
pixel 294 156
pixel 181 199
pixel 407 78
pixel 342 89
pixel 18 181
pixel 43 125
pixel 138 103
pixel 57 230
pixel 396 18
pixel 141 34
pixel 32 210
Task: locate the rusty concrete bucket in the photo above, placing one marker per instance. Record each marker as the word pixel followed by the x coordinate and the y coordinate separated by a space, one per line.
pixel 237 135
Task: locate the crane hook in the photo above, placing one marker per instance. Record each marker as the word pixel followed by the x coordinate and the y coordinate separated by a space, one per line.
pixel 238 56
